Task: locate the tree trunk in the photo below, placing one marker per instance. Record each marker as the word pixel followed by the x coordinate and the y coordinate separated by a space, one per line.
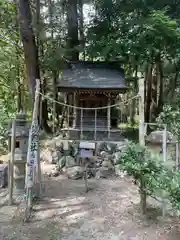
pixel 133 102
pixel 161 85
pixel 40 50
pixel 173 84
pixel 81 27
pixel 154 100
pixel 72 20
pixel 148 94
pixel 18 78
pixel 55 96
pixel 29 44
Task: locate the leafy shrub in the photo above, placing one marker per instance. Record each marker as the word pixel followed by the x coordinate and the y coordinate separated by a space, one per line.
pixel 150 174
pixel 141 165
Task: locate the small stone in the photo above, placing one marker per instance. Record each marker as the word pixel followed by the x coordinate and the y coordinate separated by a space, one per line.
pixel 103 154
pixel 55 173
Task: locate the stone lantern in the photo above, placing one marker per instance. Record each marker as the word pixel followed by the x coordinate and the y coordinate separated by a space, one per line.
pixel 21 147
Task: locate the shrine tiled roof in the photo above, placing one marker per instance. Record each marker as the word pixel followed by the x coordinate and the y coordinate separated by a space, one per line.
pixel 94 75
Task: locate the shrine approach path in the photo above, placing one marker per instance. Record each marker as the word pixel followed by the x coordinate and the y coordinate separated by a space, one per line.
pixel 109 211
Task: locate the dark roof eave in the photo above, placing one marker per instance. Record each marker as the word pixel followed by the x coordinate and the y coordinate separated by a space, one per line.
pixel 70 89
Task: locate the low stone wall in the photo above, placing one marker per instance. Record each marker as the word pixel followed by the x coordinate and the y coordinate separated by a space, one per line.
pixel 106 161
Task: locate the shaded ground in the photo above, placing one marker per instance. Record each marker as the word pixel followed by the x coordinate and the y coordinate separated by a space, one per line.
pixel 108 211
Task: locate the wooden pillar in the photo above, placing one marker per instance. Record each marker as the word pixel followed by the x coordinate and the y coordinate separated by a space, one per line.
pixel 65 109
pixel 109 117
pixel 74 109
pixel 81 135
pixel 68 109
pixel 95 124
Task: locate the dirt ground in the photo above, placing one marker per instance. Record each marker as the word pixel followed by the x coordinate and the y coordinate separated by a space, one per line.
pixel 109 211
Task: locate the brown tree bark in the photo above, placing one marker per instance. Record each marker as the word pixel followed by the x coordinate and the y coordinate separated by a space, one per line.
pixel 81 27
pixel 161 85
pixel 72 21
pixel 29 44
pixel 148 93
pixel 133 102
pixel 30 53
pixel 40 51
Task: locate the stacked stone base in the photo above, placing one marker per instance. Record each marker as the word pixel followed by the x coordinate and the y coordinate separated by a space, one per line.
pixel 105 162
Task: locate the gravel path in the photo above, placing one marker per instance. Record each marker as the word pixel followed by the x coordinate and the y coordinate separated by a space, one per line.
pixel 108 211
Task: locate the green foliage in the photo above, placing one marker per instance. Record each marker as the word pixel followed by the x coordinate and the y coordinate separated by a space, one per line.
pixel 142 165
pixel 170 116
pixel 150 170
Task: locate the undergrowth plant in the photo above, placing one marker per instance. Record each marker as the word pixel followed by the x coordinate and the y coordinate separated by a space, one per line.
pixel 150 174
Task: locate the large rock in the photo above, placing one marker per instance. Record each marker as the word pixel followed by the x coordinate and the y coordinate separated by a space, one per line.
pixel 119 172
pixel 62 162
pixel 110 147
pixel 120 146
pixel 55 156
pixel 74 149
pixel 75 172
pixel 156 137
pixel 107 164
pixel 107 147
pixel 3 175
pixel 116 158
pixel 70 161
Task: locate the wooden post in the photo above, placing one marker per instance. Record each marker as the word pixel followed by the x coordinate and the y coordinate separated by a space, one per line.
pixel 95 124
pixel 142 141
pixel 33 154
pixel 86 176
pixel 109 117
pixel 11 162
pixel 141 112
pixel 164 147
pixel 68 113
pixel 81 136
pixel 74 110
pixel 54 109
pixel 164 144
pixel 177 155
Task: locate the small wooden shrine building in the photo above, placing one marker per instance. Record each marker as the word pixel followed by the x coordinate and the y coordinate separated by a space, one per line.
pixel 92 85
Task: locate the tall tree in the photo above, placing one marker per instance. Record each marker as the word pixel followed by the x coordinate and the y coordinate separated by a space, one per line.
pixel 72 21
pixel 29 43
